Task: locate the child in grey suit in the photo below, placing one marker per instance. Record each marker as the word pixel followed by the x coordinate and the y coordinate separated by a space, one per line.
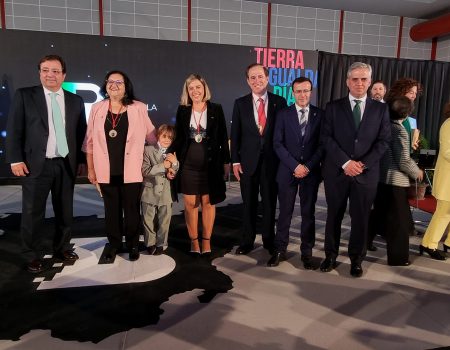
pixel 156 201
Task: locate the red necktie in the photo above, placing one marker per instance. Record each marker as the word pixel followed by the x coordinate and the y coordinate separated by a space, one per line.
pixel 261 116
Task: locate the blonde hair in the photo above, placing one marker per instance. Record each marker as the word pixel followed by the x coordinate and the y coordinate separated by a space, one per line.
pixel 185 99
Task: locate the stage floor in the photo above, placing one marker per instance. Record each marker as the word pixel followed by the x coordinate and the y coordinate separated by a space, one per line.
pixel 253 307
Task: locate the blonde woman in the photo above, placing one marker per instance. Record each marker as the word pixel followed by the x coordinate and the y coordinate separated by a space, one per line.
pixel 202 149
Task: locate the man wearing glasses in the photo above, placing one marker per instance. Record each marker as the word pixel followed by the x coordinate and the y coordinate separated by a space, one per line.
pixel 45 131
pixel 296 143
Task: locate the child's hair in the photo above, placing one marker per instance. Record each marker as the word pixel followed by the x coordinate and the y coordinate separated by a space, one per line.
pixel 165 128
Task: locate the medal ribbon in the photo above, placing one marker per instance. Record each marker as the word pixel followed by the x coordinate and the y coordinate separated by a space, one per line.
pixel 115 118
pixel 199 119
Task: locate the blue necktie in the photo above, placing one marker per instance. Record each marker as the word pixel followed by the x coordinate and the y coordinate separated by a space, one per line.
pixel 302 121
pixel 61 141
pixel 357 113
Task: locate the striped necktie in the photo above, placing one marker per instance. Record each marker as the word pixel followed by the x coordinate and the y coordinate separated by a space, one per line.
pixel 302 121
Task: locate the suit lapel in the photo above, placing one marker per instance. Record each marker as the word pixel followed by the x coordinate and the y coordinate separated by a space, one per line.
pixel 311 125
pixel 251 115
pixel 41 104
pixel 294 123
pixel 210 118
pixel 348 112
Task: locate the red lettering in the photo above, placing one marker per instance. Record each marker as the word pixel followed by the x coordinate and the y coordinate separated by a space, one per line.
pixel 271 57
pixel 290 56
pixel 299 63
pixel 281 55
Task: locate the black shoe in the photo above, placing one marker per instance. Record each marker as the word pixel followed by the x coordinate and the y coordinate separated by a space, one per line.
pixel 433 253
pixel 206 252
pixel 159 250
pixel 406 263
pixel 356 270
pixel 328 264
pixel 307 262
pixel 133 254
pixel 66 255
pixel 372 248
pixel 446 248
pixel 151 250
pixel 244 249
pixel 36 266
pixel 194 252
pixel 110 255
pixel 275 259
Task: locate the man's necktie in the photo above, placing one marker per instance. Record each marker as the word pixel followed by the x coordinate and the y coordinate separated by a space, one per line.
pixel 261 116
pixel 61 140
pixel 302 121
pixel 357 113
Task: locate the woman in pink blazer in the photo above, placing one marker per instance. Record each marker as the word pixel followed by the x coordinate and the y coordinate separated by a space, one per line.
pixel 117 130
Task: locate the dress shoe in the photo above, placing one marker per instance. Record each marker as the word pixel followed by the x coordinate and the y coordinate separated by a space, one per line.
pixel 244 250
pixel 276 258
pixel 159 250
pixel 151 250
pixel 356 270
pixel 110 255
pixel 67 255
pixel 307 262
pixel 433 253
pixel 36 266
pixel 372 248
pixel 406 263
pixel 133 254
pixel 446 248
pixel 328 264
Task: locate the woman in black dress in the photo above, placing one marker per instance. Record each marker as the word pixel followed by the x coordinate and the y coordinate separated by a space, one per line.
pixel 202 148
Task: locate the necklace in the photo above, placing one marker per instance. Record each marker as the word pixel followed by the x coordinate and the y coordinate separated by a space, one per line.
pixel 115 120
pixel 198 137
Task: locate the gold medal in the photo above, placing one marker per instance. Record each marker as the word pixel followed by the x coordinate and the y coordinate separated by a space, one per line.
pixel 112 133
pixel 198 138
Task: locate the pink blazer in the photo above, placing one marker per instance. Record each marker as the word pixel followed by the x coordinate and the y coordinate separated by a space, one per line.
pixel 140 128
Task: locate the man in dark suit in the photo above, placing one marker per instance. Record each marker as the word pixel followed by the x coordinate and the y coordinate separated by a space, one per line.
pixel 253 157
pixel 296 143
pixel 355 134
pixel 45 131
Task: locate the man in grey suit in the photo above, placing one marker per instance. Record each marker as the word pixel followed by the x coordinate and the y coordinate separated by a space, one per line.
pixel 355 134
pixel 45 130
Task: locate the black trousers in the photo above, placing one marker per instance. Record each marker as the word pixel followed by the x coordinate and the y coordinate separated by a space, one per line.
pixel 56 178
pixel 361 198
pixel 122 212
pixel 251 186
pixel 391 216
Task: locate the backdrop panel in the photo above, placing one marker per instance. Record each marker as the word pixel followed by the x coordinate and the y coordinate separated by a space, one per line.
pixel 157 69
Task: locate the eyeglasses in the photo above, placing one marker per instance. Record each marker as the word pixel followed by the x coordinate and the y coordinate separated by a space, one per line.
pixel 301 91
pixel 115 82
pixel 54 71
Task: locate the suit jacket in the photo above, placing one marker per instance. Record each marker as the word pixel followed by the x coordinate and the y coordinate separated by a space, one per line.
pixel 247 145
pixel 157 187
pixel 342 141
pixel 397 167
pixel 27 129
pixel 140 129
pixel 441 179
pixel 217 149
pixel 292 148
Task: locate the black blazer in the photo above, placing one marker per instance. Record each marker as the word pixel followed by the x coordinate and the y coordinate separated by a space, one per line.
pixel 292 149
pixel 27 129
pixel 343 142
pixel 217 150
pixel 247 145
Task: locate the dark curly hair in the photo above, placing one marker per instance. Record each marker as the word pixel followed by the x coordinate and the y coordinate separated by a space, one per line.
pixel 400 107
pixel 129 92
pixel 401 87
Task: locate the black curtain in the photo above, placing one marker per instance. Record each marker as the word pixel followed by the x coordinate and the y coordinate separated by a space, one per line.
pixel 433 75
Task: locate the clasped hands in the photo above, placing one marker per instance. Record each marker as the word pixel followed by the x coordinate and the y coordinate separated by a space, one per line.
pixel 301 171
pixel 171 158
pixel 354 168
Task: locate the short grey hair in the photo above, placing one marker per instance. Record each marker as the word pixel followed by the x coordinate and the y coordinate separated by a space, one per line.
pixel 359 65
